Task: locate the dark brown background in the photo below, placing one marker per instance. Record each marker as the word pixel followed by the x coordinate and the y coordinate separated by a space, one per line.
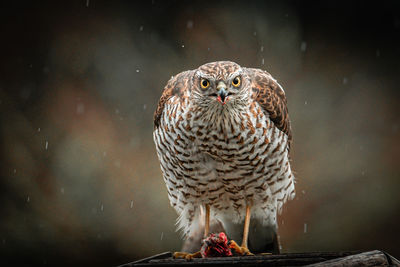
pixel 80 181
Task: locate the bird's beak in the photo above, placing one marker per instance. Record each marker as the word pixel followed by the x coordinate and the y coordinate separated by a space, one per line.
pixel 222 94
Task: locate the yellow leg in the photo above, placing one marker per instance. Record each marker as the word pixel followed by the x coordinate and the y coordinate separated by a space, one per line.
pixel 207 222
pixel 243 249
pixel 246 226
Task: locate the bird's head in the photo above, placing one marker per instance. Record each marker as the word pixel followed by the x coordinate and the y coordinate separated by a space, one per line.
pixel 219 84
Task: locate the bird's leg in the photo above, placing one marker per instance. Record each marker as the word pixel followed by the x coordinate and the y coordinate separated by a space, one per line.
pixel 207 223
pixel 246 226
pixel 188 256
pixel 243 249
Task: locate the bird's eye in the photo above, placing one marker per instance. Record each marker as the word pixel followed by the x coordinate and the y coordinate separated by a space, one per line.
pixel 204 83
pixel 236 81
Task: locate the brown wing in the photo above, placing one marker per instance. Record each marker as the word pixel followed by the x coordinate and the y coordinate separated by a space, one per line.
pixel 176 86
pixel 270 95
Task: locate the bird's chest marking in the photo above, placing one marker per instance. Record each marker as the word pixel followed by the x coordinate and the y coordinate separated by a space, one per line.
pixel 235 140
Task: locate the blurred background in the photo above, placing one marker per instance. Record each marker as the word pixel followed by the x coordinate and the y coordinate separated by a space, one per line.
pixel 80 80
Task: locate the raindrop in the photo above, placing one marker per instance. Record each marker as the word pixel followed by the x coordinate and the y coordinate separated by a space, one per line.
pixel 131 203
pixel 254 33
pixel 80 108
pixel 162 235
pixel 141 28
pixel 262 61
pixel 305 228
pixel 102 207
pixel 87 3
pixel 345 80
pixel 137 70
pixel 303 46
pixel 15 171
pixel 189 24
pixel 144 107
pixel 28 199
pixel 262 49
pixel 38 129
pixel 183 46
pixel 305 102
pixel 104 153
pixel 117 163
pixel 47 145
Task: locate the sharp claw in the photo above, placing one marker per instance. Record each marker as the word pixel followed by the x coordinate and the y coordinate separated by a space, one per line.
pixel 239 250
pixel 185 255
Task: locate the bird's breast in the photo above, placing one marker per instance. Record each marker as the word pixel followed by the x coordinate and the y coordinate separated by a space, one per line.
pixel 237 137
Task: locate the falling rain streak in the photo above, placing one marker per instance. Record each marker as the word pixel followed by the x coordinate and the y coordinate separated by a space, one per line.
pixel 303 46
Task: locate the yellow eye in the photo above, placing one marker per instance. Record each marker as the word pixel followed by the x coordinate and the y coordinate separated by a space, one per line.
pixel 236 81
pixel 204 83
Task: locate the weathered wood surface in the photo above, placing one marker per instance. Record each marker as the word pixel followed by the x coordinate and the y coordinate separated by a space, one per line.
pixel 330 259
pixel 370 258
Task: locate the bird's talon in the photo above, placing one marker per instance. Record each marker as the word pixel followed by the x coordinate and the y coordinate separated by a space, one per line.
pixel 243 251
pixel 248 253
pixel 186 255
pixel 266 253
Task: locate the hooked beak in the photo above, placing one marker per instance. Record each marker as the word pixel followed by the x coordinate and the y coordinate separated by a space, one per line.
pixel 222 94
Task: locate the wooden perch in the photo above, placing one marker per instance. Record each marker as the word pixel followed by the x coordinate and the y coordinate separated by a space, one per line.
pixel 317 259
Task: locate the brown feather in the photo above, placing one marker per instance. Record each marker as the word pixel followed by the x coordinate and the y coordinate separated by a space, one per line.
pixel 268 93
pixel 176 86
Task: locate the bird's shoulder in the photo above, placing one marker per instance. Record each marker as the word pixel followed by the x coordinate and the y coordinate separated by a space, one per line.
pixel 178 86
pixel 269 94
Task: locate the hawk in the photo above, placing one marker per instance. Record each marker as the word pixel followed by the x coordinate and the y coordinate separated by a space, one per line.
pixel 222 134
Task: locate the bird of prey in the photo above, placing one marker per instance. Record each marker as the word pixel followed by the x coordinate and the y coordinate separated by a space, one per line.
pixel 222 134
